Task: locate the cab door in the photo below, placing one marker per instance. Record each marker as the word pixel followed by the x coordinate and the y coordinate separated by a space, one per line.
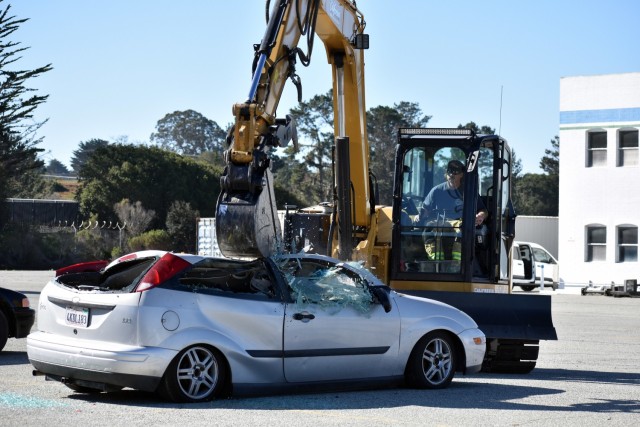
pixel 527 261
pixel 517 264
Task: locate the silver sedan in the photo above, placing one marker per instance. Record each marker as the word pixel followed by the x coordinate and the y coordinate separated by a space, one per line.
pixel 195 328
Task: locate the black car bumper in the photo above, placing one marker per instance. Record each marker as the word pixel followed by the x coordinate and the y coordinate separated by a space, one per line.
pixel 25 318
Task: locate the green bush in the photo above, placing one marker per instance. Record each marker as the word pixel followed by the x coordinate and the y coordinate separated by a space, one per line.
pixel 58 188
pixel 95 244
pixel 45 248
pixel 20 248
pixel 153 239
pixel 116 252
pixel 182 226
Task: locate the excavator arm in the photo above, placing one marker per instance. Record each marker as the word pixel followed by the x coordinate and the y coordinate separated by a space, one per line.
pixel 246 214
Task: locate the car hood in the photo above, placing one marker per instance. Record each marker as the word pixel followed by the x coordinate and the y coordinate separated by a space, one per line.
pixel 418 308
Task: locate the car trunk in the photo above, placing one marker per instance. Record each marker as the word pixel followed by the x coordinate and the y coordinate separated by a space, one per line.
pixel 101 306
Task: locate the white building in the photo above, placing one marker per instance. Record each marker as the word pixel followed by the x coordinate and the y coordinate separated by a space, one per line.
pixel 599 210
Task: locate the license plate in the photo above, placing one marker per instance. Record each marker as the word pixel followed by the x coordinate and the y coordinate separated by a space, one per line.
pixel 77 316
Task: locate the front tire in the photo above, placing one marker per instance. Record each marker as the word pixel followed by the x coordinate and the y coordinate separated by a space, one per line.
pixel 197 374
pixel 432 362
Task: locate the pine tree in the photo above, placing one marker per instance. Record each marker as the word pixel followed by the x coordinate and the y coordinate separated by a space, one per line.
pixel 18 141
pixel 550 163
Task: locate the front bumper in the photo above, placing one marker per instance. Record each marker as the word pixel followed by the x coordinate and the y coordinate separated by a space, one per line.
pixel 112 364
pixel 474 349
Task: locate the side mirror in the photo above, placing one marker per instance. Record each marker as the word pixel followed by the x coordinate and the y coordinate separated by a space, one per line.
pixel 382 295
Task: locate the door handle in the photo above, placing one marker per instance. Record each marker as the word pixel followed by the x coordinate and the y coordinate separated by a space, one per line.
pixel 305 317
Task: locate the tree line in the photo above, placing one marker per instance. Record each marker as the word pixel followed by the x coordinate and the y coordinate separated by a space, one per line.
pixel 160 188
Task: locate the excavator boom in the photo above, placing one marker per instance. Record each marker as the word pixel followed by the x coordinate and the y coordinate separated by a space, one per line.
pixel 246 218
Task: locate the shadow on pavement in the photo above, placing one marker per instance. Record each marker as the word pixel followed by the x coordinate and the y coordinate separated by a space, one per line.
pixel 13 358
pixel 477 395
pixel 600 377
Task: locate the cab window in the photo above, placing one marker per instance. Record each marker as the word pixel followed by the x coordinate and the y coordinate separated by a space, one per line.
pixel 432 208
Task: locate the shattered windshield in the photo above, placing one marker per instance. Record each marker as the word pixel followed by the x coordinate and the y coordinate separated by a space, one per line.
pixel 314 283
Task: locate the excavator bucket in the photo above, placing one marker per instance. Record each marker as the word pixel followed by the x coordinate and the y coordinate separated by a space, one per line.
pixel 502 316
pixel 247 224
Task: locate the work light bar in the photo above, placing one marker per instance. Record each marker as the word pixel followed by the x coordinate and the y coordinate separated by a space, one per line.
pixel 435 131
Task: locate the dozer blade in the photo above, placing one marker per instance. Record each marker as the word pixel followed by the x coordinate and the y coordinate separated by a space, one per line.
pixel 502 316
pixel 247 224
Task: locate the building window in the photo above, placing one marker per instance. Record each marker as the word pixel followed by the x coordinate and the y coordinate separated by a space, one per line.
pixel 627 243
pixel 628 148
pixel 596 149
pixel 596 243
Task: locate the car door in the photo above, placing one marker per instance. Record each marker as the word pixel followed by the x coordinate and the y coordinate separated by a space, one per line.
pixel 544 260
pixel 219 298
pixel 334 330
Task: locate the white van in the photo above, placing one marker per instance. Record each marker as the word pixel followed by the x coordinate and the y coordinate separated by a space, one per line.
pixel 526 255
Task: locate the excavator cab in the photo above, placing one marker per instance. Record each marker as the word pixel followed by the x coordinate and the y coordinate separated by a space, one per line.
pixel 440 252
pixel 444 179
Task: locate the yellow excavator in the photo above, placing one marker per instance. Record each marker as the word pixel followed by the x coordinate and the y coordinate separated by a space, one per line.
pixel 444 238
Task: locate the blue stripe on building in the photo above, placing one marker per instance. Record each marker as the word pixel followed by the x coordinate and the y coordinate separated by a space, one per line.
pixel 600 116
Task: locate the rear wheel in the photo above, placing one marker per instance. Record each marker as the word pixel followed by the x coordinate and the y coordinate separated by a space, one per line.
pixel 432 362
pixel 527 288
pixel 197 374
pixel 4 330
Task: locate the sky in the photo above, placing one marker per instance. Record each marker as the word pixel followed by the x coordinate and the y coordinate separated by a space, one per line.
pixel 119 66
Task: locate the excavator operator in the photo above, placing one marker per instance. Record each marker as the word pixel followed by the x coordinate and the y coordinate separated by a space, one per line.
pixel 441 214
pixel 447 198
